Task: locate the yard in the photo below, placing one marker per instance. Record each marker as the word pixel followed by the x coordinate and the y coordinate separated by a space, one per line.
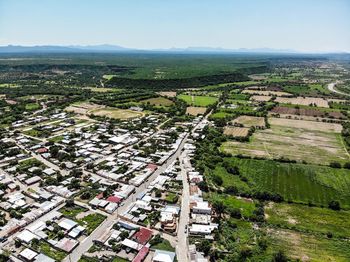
pixel 91 221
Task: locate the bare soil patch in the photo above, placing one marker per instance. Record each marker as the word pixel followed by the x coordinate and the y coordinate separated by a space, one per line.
pixel 320 102
pixel 249 121
pixel 236 131
pixel 195 111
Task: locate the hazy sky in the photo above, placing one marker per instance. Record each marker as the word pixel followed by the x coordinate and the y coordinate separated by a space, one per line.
pixel 305 25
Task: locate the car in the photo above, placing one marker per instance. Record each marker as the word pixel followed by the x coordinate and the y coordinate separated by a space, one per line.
pixel 3 239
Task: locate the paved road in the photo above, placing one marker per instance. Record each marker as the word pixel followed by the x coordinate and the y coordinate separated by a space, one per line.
pixel 182 247
pixel 331 87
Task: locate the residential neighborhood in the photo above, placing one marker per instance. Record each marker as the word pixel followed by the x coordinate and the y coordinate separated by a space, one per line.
pixel 75 187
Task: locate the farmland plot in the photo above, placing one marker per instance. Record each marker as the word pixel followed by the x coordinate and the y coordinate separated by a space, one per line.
pixel 195 111
pixel 303 101
pixel 236 131
pixel 313 142
pixel 249 121
pixel 260 98
pixel 266 93
pixel 299 183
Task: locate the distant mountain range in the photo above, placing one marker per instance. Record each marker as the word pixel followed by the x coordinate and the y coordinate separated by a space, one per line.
pixel 119 49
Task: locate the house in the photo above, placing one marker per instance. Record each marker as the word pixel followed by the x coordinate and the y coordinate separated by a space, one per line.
pixel 142 236
pixel 141 255
pixel 67 244
pixel 43 258
pixel 49 171
pixel 32 180
pixel 28 254
pixel 163 256
pixel 26 236
pixel 131 244
pixel 201 207
pixel 67 224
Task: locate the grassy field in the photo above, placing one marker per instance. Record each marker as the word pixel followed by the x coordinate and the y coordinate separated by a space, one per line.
pixel 244 205
pixel 72 212
pixel 295 182
pixel 198 100
pixel 91 222
pixel 49 251
pixel 313 142
pixel 164 245
pixel 309 219
pixel 32 106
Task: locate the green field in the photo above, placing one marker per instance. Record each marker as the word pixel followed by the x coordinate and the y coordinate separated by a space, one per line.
pixel 295 182
pixel 309 219
pixel 32 106
pixel 231 202
pixel 198 100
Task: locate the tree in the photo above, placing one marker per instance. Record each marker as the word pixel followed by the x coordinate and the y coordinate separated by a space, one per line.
pixel 347 165
pixel 335 205
pixel 217 180
pixel 219 207
pixel 279 257
pixel 69 203
pixel 335 165
pixel 124 235
pixel 18 243
pixel 204 247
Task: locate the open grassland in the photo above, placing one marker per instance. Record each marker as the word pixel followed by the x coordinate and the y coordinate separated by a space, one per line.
pixel 305 101
pixel 309 219
pixel 236 131
pixel 198 100
pixel 158 101
pixel 313 142
pixel 249 121
pixel 195 111
pixel 298 183
pixel 308 247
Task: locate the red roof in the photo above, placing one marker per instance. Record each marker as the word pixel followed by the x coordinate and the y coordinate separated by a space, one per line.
pixel 152 167
pixel 42 150
pixel 143 235
pixel 99 196
pixel 114 199
pixel 141 255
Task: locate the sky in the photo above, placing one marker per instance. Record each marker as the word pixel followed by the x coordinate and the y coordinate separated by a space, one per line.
pixel 302 25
